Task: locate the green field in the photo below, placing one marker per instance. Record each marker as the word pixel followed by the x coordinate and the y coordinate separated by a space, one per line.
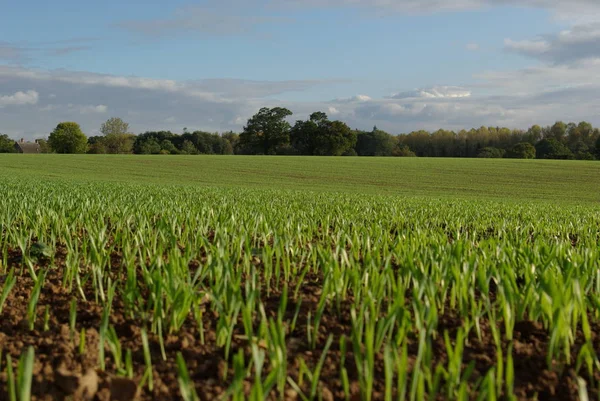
pixel 298 279
pixel 560 181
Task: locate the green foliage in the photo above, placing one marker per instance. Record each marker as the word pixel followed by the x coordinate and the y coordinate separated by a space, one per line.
pixel 7 145
pixel 114 126
pixel 491 153
pixel 266 131
pixel 403 151
pixel 167 147
pixel 551 148
pixel 321 137
pixel 522 150
pixel 44 147
pixel 375 143
pixel 67 138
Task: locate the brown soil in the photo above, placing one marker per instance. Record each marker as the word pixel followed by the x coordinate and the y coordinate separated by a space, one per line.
pixel 60 370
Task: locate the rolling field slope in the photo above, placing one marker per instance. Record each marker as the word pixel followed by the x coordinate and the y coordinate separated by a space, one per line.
pixel 560 181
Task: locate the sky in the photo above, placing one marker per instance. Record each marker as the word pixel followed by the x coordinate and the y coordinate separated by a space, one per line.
pixel 401 65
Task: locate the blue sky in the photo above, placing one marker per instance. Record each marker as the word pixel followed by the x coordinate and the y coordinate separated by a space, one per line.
pixel 400 64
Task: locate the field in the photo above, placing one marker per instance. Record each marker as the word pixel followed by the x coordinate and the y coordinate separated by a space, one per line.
pixel 250 278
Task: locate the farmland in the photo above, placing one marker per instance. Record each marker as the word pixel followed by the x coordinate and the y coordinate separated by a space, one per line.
pixel 298 278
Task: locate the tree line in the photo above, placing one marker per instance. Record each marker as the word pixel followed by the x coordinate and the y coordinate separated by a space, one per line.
pixel 269 133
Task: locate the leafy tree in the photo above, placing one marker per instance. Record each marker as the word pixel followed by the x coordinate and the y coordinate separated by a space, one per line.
pixel 44 147
pixel 523 150
pixel 403 151
pixel 266 131
pixel 7 145
pixel 558 130
pixel 167 147
pixel 598 147
pixel 319 136
pixel 335 139
pixel 374 143
pixel 67 137
pixel 96 145
pixel 233 140
pixel 148 147
pixel 551 148
pixel 491 152
pixel 157 137
pixel 117 139
pixel 304 134
pixel 114 126
pixel 534 134
pixel 187 147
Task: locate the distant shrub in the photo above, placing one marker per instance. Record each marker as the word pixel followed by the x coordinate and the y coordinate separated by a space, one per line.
pixel 403 151
pixel 491 152
pixel 523 150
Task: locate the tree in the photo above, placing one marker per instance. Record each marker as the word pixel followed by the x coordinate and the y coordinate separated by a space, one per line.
pixel 551 148
pixel 266 131
pixel 188 148
pixel 374 143
pixel 44 147
pixel 335 139
pixel 7 145
pixel 558 130
pixel 167 147
pixel 523 150
pixel 149 147
pixel 155 138
pixel 534 134
pixel 403 151
pixel 490 152
pixel 114 126
pixel 233 140
pixel 96 145
pixel 117 139
pixel 68 138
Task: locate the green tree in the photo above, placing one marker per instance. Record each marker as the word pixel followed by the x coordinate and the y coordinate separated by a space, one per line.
pixel 534 134
pixel 403 151
pixel 374 143
pixel 551 148
pixel 167 147
pixel 7 145
pixel 44 147
pixel 523 150
pixel 149 147
pixel 266 131
pixel 558 131
pixel 67 137
pixel 96 145
pixel 233 140
pixel 118 139
pixel 335 139
pixel 187 147
pixel 304 134
pixel 491 152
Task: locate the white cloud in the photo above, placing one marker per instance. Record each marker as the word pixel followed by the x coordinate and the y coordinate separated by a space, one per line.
pixel 568 46
pixel 472 47
pixel 436 92
pixel 19 99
